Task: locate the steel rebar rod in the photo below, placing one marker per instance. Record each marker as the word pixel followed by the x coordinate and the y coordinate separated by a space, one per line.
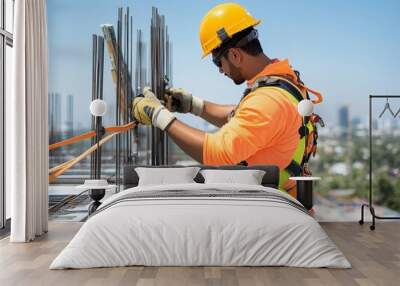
pixel 133 134
pixel 126 83
pixel 94 86
pixel 118 93
pixel 153 68
pixel 100 72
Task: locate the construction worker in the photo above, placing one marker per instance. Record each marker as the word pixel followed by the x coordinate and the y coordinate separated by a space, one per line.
pixel 263 129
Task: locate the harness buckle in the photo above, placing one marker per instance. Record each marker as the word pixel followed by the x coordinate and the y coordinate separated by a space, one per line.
pixel 306 170
pixel 319 120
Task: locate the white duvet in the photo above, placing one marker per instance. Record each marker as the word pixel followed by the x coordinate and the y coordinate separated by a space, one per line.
pixel 183 231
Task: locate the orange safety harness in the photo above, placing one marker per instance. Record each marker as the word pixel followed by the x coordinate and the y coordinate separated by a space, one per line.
pixel 308 132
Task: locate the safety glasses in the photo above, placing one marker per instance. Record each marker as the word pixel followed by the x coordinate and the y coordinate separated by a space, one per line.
pixel 217 59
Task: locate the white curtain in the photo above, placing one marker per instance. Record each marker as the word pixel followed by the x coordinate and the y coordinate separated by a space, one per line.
pixel 27 129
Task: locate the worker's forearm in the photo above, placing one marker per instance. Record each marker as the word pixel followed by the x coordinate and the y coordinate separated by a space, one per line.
pixel 216 114
pixel 189 139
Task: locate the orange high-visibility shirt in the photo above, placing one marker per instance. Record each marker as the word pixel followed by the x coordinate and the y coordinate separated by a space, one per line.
pixel 264 129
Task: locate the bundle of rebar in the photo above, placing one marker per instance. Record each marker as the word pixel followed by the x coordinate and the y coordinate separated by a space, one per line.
pixel 160 67
pixel 120 49
pixel 129 147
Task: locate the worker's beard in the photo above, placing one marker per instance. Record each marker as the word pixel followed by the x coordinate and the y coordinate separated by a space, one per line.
pixel 235 74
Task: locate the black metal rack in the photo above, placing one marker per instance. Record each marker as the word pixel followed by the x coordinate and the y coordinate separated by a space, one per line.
pixel 370 203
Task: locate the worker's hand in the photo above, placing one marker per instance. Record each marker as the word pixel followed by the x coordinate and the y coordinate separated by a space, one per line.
pixel 148 110
pixel 184 102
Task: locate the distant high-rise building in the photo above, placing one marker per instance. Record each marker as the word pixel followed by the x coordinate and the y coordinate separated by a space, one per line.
pixel 54 113
pixel 344 118
pixel 70 116
pixel 375 124
pixel 346 133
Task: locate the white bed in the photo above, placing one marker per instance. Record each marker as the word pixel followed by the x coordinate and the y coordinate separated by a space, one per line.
pixel 222 225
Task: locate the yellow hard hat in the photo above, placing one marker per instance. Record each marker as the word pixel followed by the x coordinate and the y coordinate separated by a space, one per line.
pixel 221 23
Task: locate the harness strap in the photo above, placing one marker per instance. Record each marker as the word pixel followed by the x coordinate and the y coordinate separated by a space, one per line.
pixel 294 168
pixel 275 82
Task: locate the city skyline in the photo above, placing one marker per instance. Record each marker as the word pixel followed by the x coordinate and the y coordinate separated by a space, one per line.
pixel 64 120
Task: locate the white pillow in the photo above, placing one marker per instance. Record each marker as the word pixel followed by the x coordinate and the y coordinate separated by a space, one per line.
pixel 249 177
pixel 165 176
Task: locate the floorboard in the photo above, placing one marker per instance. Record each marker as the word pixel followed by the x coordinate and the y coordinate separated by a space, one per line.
pixel 374 255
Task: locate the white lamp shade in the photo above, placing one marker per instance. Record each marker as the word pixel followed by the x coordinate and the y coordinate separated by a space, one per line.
pixel 305 107
pixel 98 107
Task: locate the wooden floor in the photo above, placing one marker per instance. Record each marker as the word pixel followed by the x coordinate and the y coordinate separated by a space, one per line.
pixel 374 255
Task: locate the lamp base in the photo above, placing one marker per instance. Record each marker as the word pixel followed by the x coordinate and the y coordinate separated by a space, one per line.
pixel 96 195
pixel 305 193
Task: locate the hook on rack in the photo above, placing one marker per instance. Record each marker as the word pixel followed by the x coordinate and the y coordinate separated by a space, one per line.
pixel 387 107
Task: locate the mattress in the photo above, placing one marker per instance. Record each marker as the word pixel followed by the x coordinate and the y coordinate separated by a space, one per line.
pixel 201 225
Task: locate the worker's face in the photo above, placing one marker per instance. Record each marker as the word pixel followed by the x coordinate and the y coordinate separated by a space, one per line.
pixel 230 64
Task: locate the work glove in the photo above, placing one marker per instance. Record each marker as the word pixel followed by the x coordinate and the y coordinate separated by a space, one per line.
pixel 184 102
pixel 148 110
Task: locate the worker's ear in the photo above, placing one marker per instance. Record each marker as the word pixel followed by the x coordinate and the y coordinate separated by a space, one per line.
pixel 235 57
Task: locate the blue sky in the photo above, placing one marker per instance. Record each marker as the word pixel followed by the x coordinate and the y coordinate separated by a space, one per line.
pixel 345 49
